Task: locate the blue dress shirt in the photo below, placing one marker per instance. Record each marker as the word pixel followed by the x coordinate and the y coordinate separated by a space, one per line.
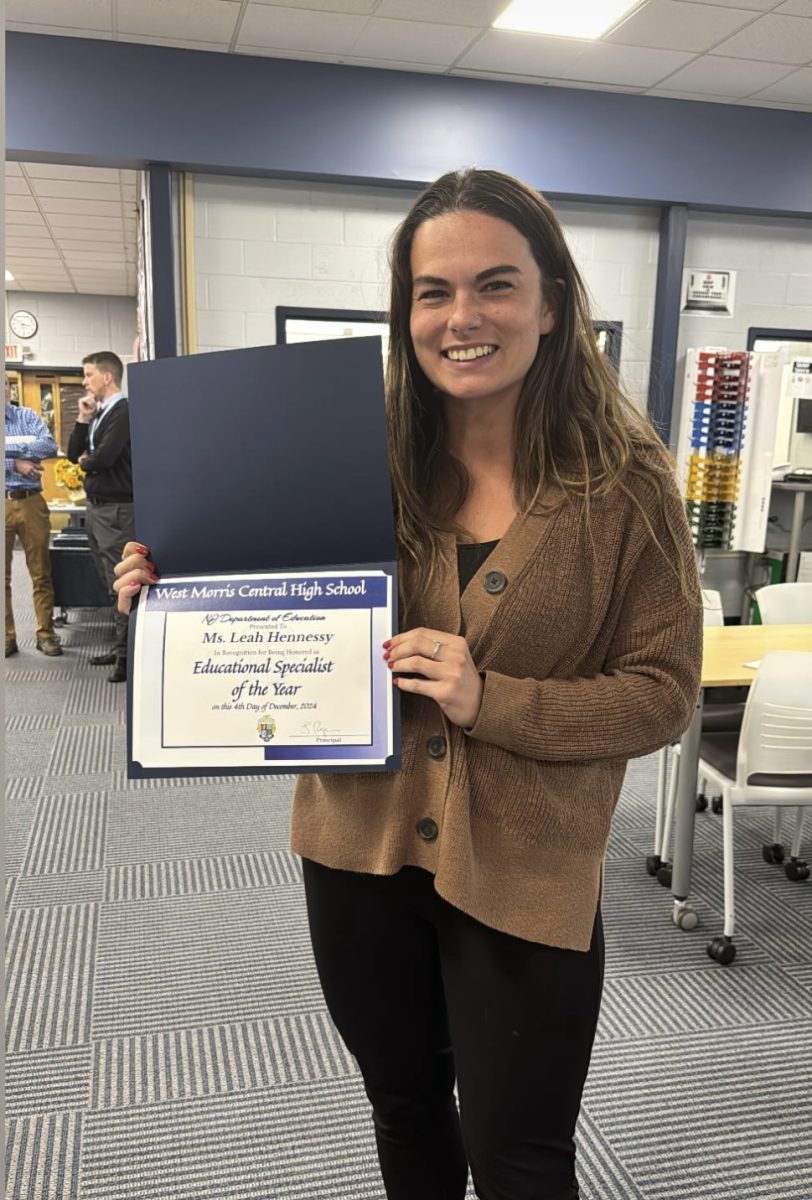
pixel 27 436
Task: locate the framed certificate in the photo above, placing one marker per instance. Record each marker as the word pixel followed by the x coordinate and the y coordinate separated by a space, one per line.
pixel 263 673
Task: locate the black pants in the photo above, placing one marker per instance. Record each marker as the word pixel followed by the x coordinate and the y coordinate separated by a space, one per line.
pixel 422 995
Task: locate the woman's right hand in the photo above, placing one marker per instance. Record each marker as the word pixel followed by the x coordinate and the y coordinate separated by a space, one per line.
pixel 132 572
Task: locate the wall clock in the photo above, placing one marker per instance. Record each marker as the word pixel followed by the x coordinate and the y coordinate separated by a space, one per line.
pixel 23 324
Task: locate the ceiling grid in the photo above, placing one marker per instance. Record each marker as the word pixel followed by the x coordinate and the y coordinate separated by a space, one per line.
pixel 73 229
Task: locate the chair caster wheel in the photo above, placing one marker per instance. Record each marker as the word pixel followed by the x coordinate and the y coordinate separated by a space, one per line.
pixel 773 853
pixel 653 864
pixel 796 870
pixel 722 950
pixel 701 802
pixel 716 805
pixel 684 918
pixel 664 875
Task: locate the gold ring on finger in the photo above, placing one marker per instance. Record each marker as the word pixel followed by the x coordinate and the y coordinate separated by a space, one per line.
pixel 435 650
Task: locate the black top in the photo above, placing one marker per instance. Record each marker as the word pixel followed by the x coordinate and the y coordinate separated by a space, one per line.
pixel 470 557
pixel 109 467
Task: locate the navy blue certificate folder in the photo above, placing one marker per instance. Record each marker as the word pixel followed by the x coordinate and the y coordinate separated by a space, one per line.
pixel 255 459
pixel 269 458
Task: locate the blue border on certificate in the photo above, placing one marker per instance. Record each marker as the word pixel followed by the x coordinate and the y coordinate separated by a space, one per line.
pixel 278 756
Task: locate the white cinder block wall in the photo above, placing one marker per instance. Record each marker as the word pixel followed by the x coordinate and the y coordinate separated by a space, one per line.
pixel 772 258
pixel 71 326
pixel 260 244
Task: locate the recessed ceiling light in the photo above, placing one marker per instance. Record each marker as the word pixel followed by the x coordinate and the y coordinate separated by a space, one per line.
pixel 574 18
pixel 9 277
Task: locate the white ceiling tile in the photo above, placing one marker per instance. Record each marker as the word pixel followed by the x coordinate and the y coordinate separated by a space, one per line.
pixel 69 14
pixel 630 65
pixel 101 208
pixel 42 254
pixel 752 5
pixel 674 25
pixel 57 30
pixel 208 20
pixel 101 251
pixel 16 203
pixel 351 7
pixel 12 168
pixel 297 29
pixel 101 237
pixel 66 222
pixel 98 278
pixel 772 39
pixel 413 41
pixel 29 238
pixel 795 8
pixel 447 12
pixel 385 64
pixel 724 76
pixel 543 81
pixel 17 186
pixel 74 189
pixel 49 285
pixel 16 220
pixel 294 55
pixel 694 97
pixel 64 171
pixel 795 88
pixel 182 43
pixel 521 53
pixel 751 102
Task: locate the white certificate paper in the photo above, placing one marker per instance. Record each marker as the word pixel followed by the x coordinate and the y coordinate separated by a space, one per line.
pixel 274 672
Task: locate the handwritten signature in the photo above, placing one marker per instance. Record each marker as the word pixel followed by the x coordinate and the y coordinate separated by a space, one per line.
pixel 317 729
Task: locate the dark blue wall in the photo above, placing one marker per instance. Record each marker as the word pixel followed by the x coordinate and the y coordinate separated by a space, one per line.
pixel 117 103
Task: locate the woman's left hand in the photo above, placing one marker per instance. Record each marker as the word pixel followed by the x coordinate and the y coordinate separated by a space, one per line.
pixel 451 679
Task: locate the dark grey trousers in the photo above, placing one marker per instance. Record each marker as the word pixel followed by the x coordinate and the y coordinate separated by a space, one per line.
pixel 109 528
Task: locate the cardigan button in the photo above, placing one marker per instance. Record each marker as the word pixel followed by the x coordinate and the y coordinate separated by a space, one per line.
pixel 494 582
pixel 436 747
pixel 427 829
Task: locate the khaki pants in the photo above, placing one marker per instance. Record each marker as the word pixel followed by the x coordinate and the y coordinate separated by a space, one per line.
pixel 29 521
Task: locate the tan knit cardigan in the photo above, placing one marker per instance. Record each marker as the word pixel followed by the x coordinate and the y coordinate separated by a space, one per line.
pixel 590 655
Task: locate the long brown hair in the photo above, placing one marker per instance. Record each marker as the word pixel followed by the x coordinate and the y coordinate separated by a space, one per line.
pixel 574 427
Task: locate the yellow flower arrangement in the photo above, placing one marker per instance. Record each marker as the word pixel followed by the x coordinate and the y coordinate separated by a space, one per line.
pixel 69 475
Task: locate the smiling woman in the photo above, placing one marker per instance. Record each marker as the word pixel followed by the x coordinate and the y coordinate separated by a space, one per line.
pixel 476 328
pixel 552 630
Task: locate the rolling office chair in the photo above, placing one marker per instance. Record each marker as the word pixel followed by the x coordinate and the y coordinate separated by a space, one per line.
pixel 786 604
pixel 769 762
pixel 722 711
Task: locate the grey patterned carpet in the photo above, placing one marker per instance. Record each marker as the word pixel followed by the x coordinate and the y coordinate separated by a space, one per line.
pixel 167 1039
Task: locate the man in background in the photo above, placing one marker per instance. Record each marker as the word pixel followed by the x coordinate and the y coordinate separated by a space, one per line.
pixel 100 443
pixel 28 442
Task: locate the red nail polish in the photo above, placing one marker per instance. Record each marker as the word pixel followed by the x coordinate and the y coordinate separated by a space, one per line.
pixel 141 549
pixel 154 579
pixel 150 566
pixel 387 644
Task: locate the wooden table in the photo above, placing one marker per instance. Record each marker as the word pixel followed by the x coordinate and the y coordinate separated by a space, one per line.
pixel 726 649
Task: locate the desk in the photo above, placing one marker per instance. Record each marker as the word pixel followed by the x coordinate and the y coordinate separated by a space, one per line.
pixel 725 650
pixel 800 490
